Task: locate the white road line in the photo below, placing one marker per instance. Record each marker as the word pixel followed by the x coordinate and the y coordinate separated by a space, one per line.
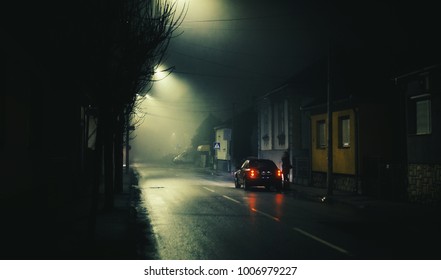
pixel 227 197
pixel 232 199
pixel 252 209
pixel 266 215
pixel 295 228
pixel 321 241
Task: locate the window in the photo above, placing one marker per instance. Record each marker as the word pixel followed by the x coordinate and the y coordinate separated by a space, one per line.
pixel 344 133
pixel 265 121
pixel 419 115
pixel 265 124
pixel 280 111
pixel 281 117
pixel 321 134
pixel 423 117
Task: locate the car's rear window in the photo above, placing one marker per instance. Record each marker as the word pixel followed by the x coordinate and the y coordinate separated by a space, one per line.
pixel 263 164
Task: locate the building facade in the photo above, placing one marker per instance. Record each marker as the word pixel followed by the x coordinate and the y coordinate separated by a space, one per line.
pixel 283 126
pixel 364 148
pixel 421 91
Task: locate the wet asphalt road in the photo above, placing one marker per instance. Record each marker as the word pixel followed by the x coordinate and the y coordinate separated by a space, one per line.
pixel 196 215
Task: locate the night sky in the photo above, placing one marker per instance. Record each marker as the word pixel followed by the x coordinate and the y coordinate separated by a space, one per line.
pixel 233 49
pixel 226 53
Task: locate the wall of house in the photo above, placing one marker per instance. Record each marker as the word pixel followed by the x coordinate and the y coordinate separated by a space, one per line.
pixel 376 150
pixel 244 141
pixel 343 157
pixel 222 136
pixel 265 126
pixel 280 125
pixel 275 123
pixel 424 183
pixel 318 155
pixel 300 133
pixel 424 150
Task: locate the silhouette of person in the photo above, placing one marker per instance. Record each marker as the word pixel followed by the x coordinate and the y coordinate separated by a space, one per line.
pixel 286 167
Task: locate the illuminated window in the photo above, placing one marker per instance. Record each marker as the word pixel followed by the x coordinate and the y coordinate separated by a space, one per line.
pixel 423 117
pixel 281 123
pixel 344 135
pixel 321 134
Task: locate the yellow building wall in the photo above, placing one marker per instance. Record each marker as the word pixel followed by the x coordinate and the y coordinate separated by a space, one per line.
pixel 343 158
pixel 223 152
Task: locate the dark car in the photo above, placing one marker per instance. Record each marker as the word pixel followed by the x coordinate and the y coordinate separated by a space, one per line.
pixel 258 172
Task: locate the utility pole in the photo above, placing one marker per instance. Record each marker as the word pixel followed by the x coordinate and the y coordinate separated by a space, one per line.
pixel 329 180
pixel 233 122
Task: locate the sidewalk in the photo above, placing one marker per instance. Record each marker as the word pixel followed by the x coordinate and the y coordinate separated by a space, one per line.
pixel 374 207
pixel 113 238
pixel 38 226
pixel 117 229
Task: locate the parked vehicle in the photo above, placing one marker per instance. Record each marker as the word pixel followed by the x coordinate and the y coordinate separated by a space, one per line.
pixel 258 172
pixel 184 158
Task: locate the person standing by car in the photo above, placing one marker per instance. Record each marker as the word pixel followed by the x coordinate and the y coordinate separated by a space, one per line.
pixel 286 167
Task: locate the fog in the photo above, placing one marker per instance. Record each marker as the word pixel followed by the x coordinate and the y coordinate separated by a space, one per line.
pixel 167 119
pixel 175 106
pixel 224 55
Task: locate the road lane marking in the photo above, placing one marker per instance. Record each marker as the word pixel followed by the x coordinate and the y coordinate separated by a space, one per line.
pixel 335 247
pixel 252 209
pixel 265 214
pixel 321 241
pixel 232 199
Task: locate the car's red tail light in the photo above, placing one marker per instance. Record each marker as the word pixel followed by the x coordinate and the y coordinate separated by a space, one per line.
pixel 279 173
pixel 252 173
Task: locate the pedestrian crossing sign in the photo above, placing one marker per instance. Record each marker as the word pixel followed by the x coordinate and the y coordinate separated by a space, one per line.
pixel 216 145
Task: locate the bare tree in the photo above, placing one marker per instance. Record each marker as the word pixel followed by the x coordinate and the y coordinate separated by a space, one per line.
pixel 125 41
